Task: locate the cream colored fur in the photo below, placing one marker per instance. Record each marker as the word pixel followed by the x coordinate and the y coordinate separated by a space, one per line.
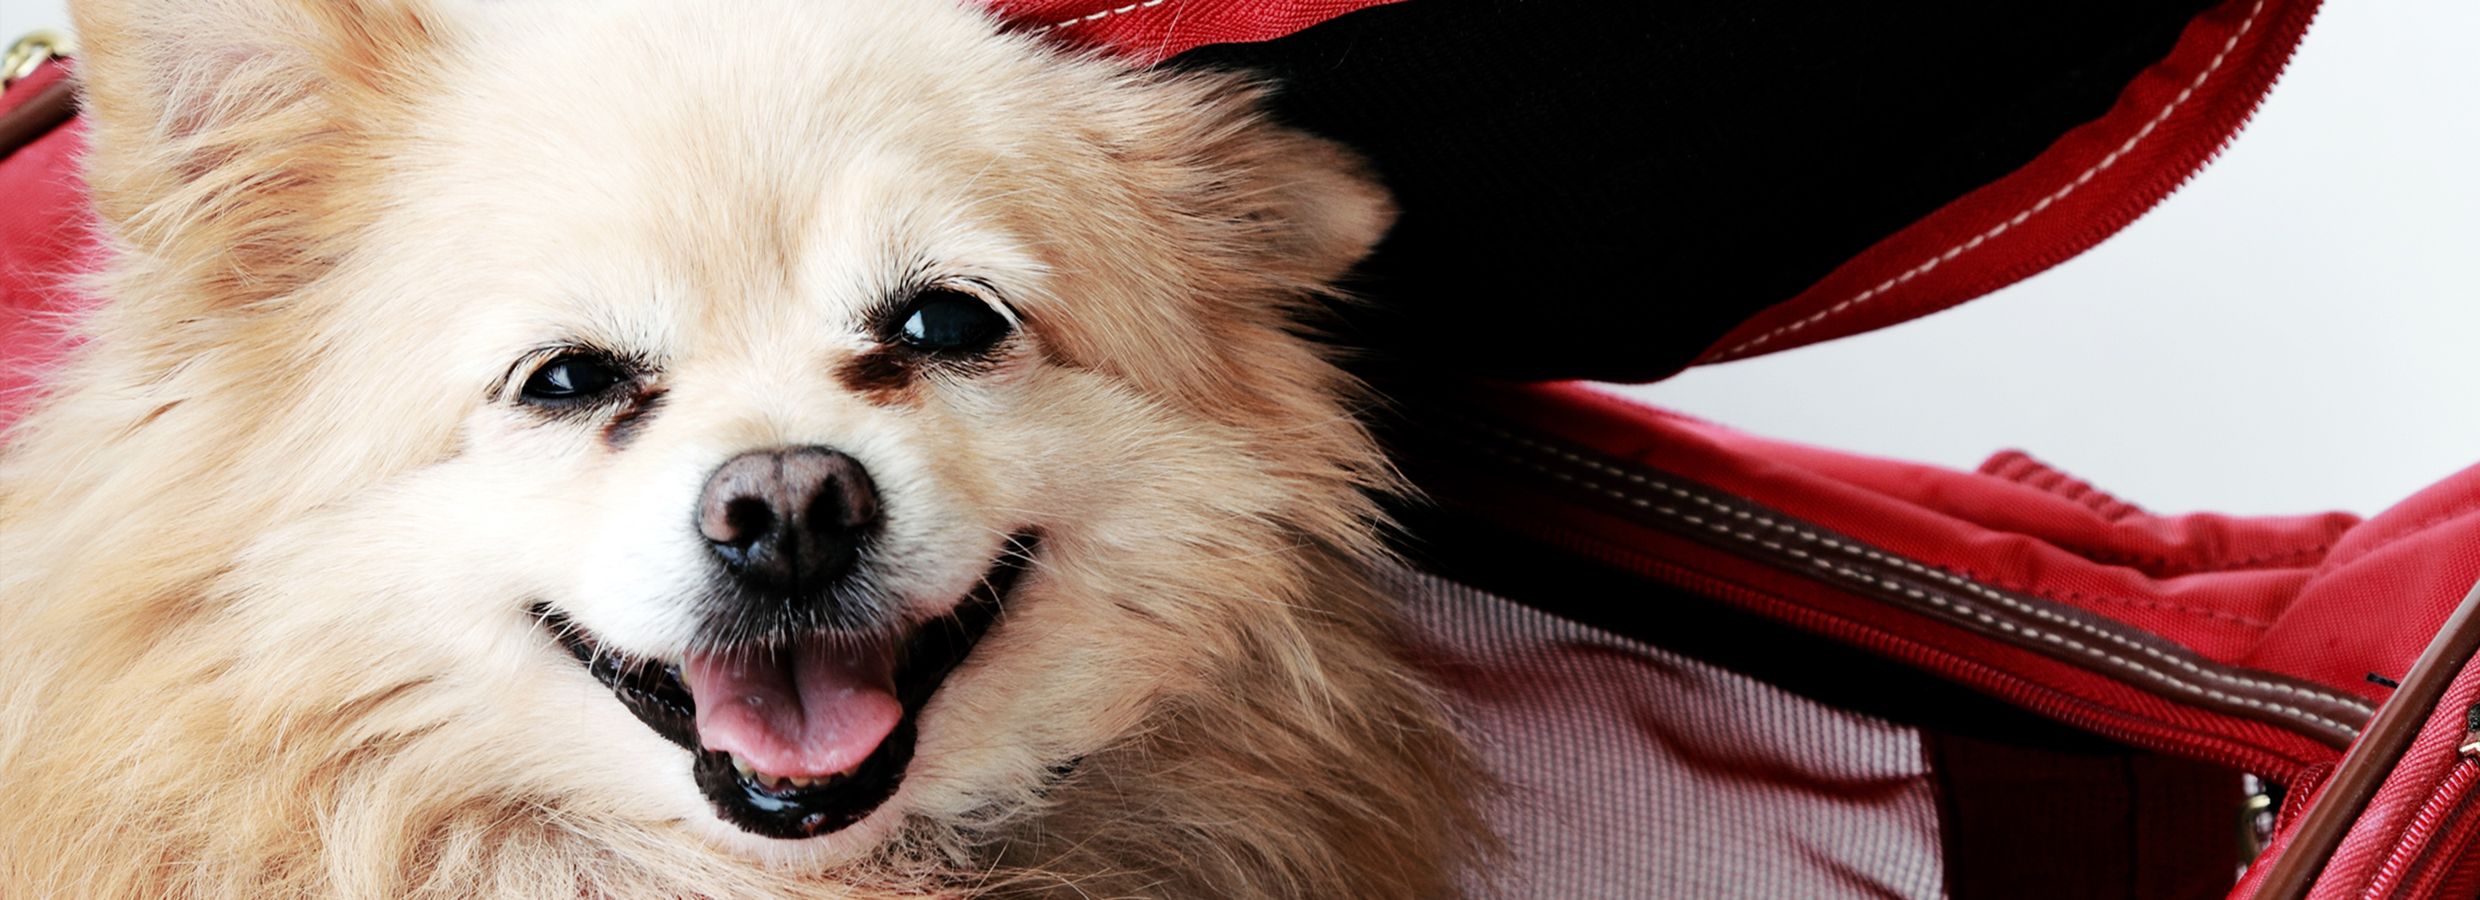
pixel 267 549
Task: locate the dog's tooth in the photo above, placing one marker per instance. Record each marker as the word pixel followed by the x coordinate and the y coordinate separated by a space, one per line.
pixel 774 782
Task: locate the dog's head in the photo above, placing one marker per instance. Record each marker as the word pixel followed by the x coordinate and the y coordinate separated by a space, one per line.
pixel 887 410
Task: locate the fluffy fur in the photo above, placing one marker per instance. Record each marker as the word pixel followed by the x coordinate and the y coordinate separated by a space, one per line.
pixel 270 542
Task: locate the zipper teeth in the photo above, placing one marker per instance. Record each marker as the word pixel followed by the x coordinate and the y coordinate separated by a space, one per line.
pixel 2135 202
pixel 2226 125
pixel 2440 863
pixel 2415 857
pixel 2032 694
pixel 1796 546
pixel 2417 852
pixel 2221 749
pixel 2138 203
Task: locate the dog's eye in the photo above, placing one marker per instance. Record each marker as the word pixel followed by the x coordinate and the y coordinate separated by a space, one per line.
pixel 572 377
pixel 941 320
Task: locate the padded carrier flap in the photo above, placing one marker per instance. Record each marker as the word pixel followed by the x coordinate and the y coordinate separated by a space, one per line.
pixel 1614 191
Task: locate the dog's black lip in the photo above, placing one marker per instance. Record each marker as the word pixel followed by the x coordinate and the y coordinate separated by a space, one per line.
pixel 652 690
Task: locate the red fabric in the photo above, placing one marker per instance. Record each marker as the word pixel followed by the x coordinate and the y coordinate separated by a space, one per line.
pixel 2385 840
pixel 2095 180
pixel 2325 598
pixel 1151 31
pixel 45 241
pixel 2384 590
pixel 2214 583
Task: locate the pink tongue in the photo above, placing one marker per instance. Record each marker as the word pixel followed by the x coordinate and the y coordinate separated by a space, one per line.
pixel 808 710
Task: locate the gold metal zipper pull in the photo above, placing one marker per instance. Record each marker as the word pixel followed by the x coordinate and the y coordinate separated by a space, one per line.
pixel 2471 732
pixel 31 52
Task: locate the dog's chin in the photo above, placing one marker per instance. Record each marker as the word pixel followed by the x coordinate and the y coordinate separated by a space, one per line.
pixel 828 817
pixel 852 844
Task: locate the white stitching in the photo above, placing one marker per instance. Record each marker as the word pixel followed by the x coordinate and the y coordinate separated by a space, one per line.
pixel 1105 14
pixel 2018 219
pixel 1944 603
pixel 2072 644
pixel 1905 564
pixel 1909 565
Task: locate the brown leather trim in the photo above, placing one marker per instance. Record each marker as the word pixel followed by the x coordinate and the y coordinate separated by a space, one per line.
pixel 2123 653
pixel 46 110
pixel 2364 769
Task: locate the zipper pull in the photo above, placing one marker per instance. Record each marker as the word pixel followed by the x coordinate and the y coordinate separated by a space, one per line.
pixel 2471 732
pixel 31 52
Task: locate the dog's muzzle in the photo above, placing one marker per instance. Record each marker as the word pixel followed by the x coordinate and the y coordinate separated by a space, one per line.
pixel 800 734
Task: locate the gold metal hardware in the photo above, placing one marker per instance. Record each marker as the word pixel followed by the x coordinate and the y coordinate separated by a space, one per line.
pixel 2256 819
pixel 32 51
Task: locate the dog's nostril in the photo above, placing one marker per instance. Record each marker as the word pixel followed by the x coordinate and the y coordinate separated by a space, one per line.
pixel 823 511
pixel 745 520
pixel 839 505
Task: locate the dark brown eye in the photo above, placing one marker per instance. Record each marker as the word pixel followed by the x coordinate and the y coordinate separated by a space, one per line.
pixel 950 322
pixel 572 378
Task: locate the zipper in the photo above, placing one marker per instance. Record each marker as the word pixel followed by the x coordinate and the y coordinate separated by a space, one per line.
pixel 2199 146
pixel 1743 528
pixel 2028 693
pixel 2225 127
pixel 31 52
pixel 1931 593
pixel 2432 848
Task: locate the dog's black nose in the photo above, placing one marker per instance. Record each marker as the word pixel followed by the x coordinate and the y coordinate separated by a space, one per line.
pixel 789 521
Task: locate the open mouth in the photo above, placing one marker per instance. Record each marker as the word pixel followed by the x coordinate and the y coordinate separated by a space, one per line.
pixel 804 737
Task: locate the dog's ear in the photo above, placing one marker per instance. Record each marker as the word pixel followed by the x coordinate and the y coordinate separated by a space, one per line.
pixel 1326 209
pixel 226 132
pixel 1306 209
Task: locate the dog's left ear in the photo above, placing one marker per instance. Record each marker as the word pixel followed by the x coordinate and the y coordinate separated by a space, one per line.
pixel 1302 207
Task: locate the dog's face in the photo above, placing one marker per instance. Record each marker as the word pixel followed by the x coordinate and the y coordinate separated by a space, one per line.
pixel 845 414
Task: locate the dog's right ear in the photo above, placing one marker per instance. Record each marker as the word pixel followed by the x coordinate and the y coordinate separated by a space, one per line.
pixel 227 136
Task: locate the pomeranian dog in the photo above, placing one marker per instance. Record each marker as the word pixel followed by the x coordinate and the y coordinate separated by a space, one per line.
pixel 650 449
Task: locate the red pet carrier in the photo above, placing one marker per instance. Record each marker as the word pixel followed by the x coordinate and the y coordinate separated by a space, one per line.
pixel 1709 664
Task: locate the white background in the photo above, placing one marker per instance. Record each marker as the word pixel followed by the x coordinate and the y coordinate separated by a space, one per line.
pixel 2293 331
